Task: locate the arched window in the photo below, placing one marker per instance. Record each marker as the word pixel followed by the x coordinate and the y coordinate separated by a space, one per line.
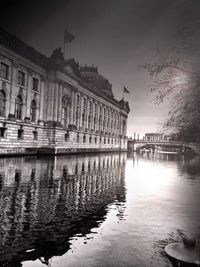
pixel 2 103
pixel 18 107
pixel 33 112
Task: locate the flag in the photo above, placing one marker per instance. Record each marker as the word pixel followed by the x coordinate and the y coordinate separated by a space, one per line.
pixel 126 91
pixel 68 37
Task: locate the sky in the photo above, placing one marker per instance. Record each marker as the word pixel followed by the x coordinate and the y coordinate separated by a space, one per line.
pixel 115 35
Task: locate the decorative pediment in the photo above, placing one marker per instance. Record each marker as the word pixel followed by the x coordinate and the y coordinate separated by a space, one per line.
pixel 68 68
pixel 72 66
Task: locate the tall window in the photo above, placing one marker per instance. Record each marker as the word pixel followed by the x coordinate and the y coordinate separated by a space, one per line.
pixel 35 135
pixel 18 107
pixel 33 111
pixel 115 123
pixel 95 116
pixel 2 132
pixel 111 121
pixel 118 123
pixel 104 119
pixel 4 71
pixel 124 127
pixel 108 121
pixel 100 118
pixel 35 84
pixel 65 112
pixel 90 116
pixel 2 103
pixel 67 137
pixel 21 78
pixel 20 134
pixel 84 113
pixel 77 109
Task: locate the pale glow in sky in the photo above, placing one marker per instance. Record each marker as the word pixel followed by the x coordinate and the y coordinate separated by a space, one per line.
pixel 116 36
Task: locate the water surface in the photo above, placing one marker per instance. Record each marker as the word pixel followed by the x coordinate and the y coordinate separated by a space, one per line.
pixel 98 210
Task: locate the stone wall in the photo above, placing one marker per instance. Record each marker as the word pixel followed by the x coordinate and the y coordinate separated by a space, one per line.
pixel 25 137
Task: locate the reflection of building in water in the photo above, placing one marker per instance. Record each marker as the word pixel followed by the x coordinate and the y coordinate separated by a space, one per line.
pixel 162 156
pixel 49 200
pixel 54 103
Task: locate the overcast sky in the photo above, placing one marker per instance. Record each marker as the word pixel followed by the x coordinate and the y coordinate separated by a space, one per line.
pixel 115 35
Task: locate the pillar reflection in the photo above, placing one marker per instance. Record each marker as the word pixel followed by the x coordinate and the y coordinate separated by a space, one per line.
pixel 46 201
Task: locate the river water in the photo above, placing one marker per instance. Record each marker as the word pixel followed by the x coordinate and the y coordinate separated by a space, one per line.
pixel 97 210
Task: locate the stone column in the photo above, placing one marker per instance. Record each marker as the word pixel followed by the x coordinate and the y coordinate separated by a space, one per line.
pixel 72 107
pixel 49 103
pixel 120 123
pixel 93 115
pixel 60 95
pixel 87 112
pixel 99 119
pixel 80 111
pixel 108 120
pixel 125 130
pixel 75 108
pixel 55 101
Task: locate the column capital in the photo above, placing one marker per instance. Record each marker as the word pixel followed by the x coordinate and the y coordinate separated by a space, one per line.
pixel 30 72
pixel 15 64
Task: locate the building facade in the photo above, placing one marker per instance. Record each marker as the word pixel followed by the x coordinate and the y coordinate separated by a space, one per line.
pixel 52 105
pixel 157 137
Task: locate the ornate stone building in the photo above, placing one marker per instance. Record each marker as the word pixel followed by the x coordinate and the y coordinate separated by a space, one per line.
pixel 52 105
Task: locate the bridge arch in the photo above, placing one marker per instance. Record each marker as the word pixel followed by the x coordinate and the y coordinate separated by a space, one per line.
pixel 138 144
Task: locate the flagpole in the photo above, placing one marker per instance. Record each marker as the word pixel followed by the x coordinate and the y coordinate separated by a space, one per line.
pixel 64 45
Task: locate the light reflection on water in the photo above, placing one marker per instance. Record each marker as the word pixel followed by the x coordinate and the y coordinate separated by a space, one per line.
pixel 103 210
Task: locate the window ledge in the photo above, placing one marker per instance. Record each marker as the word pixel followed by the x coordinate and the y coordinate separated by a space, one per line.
pixel 4 79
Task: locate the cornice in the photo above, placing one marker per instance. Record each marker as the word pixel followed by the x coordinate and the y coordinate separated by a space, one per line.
pixel 21 48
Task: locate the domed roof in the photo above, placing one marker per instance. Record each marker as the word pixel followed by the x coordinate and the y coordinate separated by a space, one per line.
pixel 90 75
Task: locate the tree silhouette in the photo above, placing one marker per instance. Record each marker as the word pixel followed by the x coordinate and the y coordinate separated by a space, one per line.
pixel 175 75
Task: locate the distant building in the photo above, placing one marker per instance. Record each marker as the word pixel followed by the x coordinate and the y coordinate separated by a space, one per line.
pixel 52 105
pixel 153 136
pixel 157 137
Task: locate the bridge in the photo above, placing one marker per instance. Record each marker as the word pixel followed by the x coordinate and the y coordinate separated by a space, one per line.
pixel 135 145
